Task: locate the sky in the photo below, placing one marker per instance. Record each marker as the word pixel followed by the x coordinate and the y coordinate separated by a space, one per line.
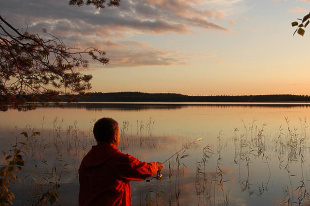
pixel 199 47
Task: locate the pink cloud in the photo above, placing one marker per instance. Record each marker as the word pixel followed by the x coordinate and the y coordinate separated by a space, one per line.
pixel 82 27
pixel 298 10
pixel 132 54
pixel 232 22
pixel 139 16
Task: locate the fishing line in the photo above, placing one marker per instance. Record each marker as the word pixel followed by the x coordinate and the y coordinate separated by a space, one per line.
pixel 185 147
pixel 159 175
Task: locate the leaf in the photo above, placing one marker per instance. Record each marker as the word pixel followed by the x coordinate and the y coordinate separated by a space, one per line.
pixel 20 157
pixel 295 23
pixel 36 134
pixel 10 169
pixel 306 18
pixel 17 151
pixel 25 134
pixel 183 156
pixel 307 23
pixel 8 157
pixel 301 31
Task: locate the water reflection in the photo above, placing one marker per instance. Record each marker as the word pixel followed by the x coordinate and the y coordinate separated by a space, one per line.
pixel 172 105
pixel 250 156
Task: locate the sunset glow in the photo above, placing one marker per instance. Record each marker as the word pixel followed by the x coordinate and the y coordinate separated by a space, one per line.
pixel 201 47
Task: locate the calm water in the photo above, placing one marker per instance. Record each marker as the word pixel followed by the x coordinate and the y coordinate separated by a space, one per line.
pixel 250 154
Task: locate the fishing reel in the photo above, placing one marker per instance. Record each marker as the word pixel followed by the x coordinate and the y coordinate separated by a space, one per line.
pixel 158 176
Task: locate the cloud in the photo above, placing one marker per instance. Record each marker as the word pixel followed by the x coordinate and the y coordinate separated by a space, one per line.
pixel 133 54
pixel 86 26
pixel 137 54
pixel 232 21
pixel 298 10
pixel 308 1
pixel 149 16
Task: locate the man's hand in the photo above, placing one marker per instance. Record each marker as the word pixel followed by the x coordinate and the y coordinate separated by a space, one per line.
pixel 160 166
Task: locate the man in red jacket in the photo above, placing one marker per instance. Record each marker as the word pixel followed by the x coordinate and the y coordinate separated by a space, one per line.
pixel 105 172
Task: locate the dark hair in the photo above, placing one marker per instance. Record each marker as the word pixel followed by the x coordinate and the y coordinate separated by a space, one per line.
pixel 105 129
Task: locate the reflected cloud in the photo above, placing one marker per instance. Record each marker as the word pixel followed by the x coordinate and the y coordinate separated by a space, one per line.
pixel 240 167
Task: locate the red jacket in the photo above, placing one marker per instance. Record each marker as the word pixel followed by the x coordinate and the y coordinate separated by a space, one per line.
pixel 104 176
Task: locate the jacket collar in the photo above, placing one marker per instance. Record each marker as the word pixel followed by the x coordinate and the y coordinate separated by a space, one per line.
pixel 105 145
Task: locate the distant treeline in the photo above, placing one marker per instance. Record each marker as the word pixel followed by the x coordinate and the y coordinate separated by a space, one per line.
pixel 172 97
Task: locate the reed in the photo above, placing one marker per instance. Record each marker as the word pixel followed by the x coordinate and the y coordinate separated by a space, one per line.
pixel 201 174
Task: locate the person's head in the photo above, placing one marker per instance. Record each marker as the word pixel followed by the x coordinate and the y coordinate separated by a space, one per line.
pixel 106 130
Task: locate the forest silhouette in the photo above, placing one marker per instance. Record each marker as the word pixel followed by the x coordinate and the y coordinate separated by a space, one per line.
pixel 174 97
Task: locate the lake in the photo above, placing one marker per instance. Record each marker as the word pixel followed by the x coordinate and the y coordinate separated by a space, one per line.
pixel 249 154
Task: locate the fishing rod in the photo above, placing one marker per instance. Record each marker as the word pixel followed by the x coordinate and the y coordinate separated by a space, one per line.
pixel 159 175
